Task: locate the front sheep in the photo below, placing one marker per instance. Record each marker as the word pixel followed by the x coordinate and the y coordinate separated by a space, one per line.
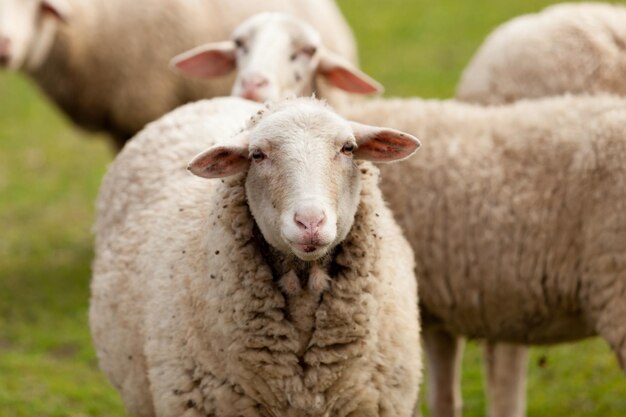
pixel 283 289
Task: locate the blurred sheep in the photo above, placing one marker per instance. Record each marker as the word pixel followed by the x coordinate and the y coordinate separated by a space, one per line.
pixel 105 62
pixel 276 56
pixel 567 48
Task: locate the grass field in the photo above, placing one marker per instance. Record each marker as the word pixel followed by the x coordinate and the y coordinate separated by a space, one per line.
pixel 50 172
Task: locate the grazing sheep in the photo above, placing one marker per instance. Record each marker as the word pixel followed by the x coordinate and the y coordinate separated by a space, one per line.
pixel 277 56
pixel 516 216
pixel 284 289
pixel 104 62
pixel 567 48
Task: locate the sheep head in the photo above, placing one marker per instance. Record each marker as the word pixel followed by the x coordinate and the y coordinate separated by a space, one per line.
pixel 302 182
pixel 277 56
pixel 27 29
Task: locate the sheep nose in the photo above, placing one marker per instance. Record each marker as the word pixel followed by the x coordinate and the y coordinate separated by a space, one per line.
pixel 254 81
pixel 4 50
pixel 309 219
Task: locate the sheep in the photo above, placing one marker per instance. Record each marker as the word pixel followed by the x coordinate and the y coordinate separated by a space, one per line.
pixel 285 289
pixel 515 214
pixel 277 56
pixel 567 48
pixel 105 62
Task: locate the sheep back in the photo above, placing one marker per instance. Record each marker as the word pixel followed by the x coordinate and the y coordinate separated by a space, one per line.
pixel 567 48
pixel 514 214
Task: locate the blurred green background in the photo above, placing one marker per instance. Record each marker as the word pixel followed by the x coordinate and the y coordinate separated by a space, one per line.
pixel 50 173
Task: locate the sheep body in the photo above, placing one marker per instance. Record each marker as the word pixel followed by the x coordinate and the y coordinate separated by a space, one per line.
pixel 576 48
pixel 566 48
pixel 515 215
pixel 184 302
pixel 102 83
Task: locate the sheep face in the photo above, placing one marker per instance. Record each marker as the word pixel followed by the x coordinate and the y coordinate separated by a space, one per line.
pixel 277 56
pixel 302 181
pixel 27 29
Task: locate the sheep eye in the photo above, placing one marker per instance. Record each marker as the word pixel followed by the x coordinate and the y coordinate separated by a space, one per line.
pixel 239 43
pixel 258 155
pixel 348 148
pixel 307 51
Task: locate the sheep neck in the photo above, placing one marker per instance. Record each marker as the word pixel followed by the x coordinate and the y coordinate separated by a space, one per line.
pixel 282 264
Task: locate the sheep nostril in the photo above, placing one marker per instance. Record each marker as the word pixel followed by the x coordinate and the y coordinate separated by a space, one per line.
pixel 254 81
pixel 310 220
pixel 301 225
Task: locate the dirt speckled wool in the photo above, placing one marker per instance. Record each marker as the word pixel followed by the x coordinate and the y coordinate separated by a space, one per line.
pixel 219 326
pixel 566 48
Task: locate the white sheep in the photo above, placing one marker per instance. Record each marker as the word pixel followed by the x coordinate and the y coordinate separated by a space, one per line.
pixel 285 289
pixel 104 62
pixel 515 214
pixel 575 48
pixel 277 56
pixel 567 48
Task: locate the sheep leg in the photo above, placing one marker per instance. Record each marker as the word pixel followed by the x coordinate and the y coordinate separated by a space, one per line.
pixel 505 370
pixel 444 353
pixel 608 305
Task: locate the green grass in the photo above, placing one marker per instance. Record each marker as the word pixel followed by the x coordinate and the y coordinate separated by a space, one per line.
pixel 49 176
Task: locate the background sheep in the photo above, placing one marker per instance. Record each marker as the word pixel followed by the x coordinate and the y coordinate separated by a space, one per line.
pixel 104 62
pixel 277 56
pixel 567 48
pixel 286 291
pixel 515 216
pixel 575 48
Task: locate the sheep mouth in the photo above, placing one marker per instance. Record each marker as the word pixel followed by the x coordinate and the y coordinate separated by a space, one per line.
pixel 306 248
pixel 253 96
pixel 309 251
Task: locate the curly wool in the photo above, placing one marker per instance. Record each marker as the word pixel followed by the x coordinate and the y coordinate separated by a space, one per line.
pixel 261 335
pixel 289 369
pixel 220 336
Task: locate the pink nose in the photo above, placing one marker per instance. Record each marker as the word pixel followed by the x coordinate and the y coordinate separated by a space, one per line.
pixel 309 220
pixel 252 82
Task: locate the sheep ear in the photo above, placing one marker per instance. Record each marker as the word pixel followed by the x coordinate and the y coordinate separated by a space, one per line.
pixel 379 144
pixel 60 9
pixel 342 74
pixel 222 160
pixel 206 61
